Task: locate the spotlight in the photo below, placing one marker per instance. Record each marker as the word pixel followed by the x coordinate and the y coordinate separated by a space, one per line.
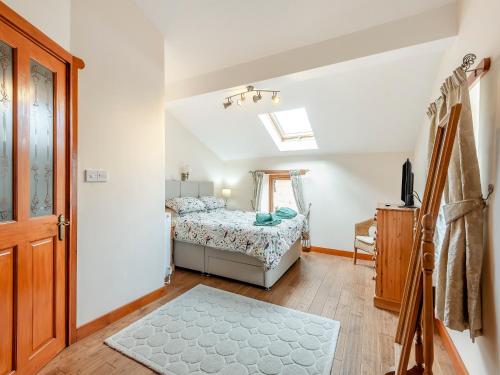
pixel 257 97
pixel 253 93
pixel 241 99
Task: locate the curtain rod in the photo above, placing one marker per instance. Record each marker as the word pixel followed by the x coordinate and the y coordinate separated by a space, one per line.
pixel 278 171
pixel 479 71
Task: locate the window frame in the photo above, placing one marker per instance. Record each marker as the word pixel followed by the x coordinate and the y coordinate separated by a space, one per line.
pixel 288 137
pixel 272 178
pixel 299 141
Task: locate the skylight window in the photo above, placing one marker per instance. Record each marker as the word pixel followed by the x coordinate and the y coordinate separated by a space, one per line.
pixel 293 123
pixel 290 130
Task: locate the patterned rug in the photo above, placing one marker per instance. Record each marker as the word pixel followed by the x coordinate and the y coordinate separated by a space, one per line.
pixel 210 331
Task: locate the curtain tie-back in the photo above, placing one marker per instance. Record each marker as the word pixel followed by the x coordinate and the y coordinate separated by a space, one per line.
pixel 456 210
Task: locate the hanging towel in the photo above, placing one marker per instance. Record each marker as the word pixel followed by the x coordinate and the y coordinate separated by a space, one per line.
pixel 285 213
pixel 266 219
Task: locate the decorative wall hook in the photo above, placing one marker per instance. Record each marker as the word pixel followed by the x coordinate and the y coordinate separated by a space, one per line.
pixel 468 61
pixel 491 189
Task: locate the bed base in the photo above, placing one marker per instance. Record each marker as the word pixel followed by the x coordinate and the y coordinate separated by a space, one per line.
pixel 237 266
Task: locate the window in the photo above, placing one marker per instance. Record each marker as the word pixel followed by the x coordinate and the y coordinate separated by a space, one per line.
pixel 292 124
pixel 281 192
pixel 474 93
pixel 290 130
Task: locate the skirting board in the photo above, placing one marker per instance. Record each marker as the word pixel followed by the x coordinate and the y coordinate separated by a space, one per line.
pixel 340 253
pixel 111 317
pixel 95 325
pixel 450 348
pixel 386 304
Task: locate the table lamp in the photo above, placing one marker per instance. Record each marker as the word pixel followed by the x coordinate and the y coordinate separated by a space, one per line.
pixel 226 194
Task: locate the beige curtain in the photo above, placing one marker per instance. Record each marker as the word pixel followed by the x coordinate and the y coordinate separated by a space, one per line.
pixel 304 209
pixel 436 112
pixel 458 291
pixel 432 114
pixel 257 178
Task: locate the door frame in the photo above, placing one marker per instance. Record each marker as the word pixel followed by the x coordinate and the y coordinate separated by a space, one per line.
pixel 73 65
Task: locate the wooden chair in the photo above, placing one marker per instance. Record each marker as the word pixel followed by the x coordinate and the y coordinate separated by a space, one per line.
pixel 364 237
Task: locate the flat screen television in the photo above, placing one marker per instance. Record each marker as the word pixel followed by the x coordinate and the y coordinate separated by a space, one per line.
pixel 407 185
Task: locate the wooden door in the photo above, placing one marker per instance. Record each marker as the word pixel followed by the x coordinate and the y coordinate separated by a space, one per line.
pixel 33 183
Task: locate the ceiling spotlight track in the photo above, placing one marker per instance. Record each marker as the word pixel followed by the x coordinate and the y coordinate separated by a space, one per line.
pixel 228 101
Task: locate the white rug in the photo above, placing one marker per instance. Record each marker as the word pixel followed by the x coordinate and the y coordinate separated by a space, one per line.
pixel 210 331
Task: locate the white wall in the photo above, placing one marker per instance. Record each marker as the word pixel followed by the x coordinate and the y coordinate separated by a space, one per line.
pixel 479 32
pixel 343 189
pixel 182 147
pixel 50 16
pixel 121 235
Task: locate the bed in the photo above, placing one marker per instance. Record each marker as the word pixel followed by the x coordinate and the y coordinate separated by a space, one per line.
pixel 225 243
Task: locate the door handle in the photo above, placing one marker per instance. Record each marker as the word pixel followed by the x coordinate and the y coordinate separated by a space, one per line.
pixel 61 227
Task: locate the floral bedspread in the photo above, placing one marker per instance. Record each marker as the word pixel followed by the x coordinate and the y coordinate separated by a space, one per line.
pixel 234 231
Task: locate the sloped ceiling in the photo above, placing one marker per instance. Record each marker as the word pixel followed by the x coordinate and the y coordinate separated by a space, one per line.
pixel 207 35
pixel 363 69
pixel 373 104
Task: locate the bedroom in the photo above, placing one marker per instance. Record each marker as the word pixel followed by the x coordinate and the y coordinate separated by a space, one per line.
pixel 148 107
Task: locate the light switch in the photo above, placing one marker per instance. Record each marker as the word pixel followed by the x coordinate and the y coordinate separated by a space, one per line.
pixel 102 176
pixel 90 175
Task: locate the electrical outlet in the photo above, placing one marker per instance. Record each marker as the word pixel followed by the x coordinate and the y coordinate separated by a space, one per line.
pixel 90 175
pixel 102 176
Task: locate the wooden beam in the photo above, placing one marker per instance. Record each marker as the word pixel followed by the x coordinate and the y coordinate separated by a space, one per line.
pixel 480 70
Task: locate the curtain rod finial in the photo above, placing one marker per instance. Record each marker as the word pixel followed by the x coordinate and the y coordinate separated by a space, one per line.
pixel 468 61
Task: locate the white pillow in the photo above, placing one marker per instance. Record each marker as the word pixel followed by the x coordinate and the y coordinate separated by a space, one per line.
pixel 213 203
pixel 185 204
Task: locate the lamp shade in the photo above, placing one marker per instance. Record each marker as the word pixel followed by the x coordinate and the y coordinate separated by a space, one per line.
pixel 226 193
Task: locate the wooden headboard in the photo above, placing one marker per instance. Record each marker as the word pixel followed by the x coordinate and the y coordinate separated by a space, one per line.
pixel 175 189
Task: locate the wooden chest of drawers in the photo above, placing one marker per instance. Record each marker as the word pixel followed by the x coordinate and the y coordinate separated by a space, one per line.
pixel 395 230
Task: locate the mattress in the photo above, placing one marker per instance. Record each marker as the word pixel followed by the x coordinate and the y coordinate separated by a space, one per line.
pixel 234 231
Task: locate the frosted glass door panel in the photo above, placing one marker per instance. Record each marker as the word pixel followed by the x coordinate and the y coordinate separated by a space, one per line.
pixel 41 140
pixel 6 134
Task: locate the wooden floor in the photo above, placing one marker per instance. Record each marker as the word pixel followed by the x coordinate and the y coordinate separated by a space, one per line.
pixel 320 284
